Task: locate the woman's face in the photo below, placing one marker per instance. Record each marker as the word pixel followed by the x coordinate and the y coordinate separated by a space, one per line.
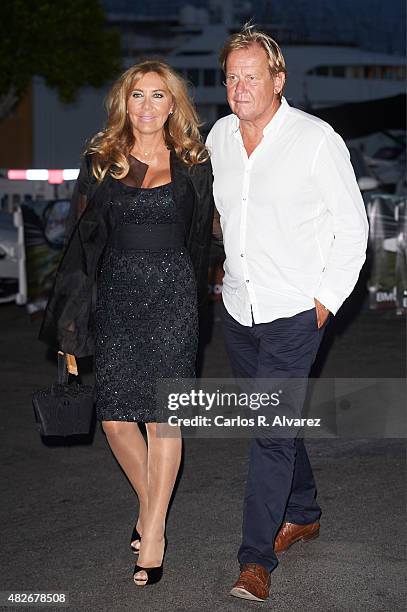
pixel 149 104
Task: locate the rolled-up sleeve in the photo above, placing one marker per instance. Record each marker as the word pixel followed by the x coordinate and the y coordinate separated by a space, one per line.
pixel 340 194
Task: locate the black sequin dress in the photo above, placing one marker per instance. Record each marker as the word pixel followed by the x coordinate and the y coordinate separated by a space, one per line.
pixel 146 308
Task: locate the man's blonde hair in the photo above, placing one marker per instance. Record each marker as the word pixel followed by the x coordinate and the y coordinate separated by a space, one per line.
pixel 248 36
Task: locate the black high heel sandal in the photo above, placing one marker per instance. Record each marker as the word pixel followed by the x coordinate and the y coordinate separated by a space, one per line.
pixel 135 536
pixel 154 575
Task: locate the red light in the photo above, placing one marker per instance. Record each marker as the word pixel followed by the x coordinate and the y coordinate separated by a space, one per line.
pixel 55 177
pixel 17 175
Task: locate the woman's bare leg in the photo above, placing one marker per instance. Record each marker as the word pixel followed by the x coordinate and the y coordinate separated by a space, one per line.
pixel 128 446
pixel 164 456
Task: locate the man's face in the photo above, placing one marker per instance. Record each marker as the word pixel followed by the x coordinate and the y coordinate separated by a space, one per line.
pixel 252 91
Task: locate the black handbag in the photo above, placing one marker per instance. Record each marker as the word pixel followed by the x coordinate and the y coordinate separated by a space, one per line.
pixel 63 409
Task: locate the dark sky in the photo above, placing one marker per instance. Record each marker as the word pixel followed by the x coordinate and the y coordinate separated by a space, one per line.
pixel 378 25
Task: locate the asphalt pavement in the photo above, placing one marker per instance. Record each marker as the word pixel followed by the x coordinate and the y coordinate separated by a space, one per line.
pixel 67 509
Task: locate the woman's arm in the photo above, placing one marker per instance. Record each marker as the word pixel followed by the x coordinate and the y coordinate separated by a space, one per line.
pixel 204 234
pixel 68 323
pixel 80 195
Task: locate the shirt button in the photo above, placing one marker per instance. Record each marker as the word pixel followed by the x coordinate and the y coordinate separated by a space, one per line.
pixel 244 199
pixel 247 280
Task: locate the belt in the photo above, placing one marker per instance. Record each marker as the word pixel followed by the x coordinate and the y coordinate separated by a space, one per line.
pixel 145 236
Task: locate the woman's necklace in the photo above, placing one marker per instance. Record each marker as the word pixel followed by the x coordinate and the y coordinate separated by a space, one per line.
pixel 145 155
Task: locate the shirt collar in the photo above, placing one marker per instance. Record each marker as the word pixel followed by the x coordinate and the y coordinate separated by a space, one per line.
pixel 278 118
pixel 274 122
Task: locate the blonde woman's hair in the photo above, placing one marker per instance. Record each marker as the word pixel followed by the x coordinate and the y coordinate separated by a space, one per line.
pixel 110 148
pixel 248 36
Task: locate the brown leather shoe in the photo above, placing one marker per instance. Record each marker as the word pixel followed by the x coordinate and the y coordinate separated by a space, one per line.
pixel 253 583
pixel 290 533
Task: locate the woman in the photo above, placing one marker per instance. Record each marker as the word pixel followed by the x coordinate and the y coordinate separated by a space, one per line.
pixel 128 281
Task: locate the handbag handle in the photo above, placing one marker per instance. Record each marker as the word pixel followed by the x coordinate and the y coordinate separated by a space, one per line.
pixel 63 373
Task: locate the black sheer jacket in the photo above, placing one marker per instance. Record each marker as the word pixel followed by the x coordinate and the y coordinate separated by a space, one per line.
pixel 68 323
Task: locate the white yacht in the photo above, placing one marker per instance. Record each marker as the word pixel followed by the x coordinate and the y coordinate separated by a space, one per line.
pixel 318 75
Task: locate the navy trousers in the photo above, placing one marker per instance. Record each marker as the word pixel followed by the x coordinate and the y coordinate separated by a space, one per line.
pixel 280 484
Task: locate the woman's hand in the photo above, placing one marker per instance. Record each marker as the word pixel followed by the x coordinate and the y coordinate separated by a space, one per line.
pixel 70 363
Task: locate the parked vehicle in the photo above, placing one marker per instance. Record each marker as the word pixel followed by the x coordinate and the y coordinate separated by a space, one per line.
pixel 364 176
pixel 389 164
pixel 13 279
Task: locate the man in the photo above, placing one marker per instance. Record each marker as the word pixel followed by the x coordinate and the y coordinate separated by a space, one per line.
pixel 295 234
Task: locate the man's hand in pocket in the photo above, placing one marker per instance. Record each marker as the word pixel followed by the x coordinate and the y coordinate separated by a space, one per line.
pixel 322 313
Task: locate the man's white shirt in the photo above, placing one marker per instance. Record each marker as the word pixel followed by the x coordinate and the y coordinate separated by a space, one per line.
pixel 293 219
